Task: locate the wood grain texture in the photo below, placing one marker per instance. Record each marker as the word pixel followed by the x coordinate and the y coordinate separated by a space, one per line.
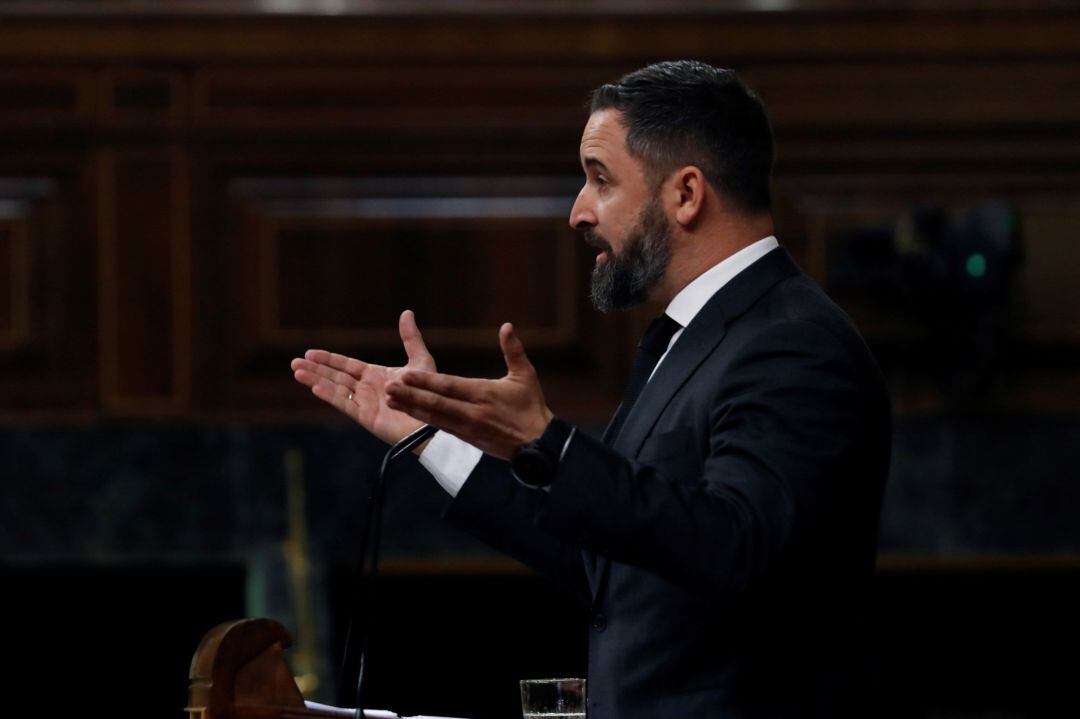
pixel 47 321
pixel 224 165
pixel 145 302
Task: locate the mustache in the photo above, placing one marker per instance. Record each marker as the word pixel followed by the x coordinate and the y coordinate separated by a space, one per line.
pixel 595 239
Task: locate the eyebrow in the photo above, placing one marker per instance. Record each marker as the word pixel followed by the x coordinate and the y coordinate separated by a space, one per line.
pixel 593 162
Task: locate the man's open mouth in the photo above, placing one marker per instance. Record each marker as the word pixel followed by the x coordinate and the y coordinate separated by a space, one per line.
pixel 605 249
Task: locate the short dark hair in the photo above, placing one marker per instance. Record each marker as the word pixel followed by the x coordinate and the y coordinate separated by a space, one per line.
pixel 688 113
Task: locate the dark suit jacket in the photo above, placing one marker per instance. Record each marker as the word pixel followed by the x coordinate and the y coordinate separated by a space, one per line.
pixel 726 539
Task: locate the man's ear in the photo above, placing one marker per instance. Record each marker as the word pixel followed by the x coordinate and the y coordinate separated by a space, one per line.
pixel 688 190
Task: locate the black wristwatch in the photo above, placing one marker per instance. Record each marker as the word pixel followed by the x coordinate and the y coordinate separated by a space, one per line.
pixel 534 463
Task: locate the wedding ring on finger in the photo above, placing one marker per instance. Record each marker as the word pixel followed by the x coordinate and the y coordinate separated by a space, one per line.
pixel 350 396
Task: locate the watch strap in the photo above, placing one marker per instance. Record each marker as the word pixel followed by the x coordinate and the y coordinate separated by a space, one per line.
pixel 534 463
pixel 553 441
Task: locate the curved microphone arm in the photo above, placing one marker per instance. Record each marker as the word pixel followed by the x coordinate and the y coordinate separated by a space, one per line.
pixel 373 530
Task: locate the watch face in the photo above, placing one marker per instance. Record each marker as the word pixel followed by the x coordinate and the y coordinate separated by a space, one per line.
pixel 532 467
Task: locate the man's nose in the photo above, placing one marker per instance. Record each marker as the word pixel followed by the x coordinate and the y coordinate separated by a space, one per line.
pixel 581 215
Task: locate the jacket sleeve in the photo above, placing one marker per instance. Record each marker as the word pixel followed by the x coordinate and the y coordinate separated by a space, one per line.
pixel 496 509
pixel 787 429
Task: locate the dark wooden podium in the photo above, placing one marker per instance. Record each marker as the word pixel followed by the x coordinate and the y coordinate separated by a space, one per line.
pixel 239 672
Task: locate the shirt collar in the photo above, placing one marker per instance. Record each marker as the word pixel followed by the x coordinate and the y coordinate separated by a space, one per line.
pixel 685 306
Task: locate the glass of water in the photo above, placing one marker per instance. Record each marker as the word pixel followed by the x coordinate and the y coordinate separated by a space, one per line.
pixel 553 698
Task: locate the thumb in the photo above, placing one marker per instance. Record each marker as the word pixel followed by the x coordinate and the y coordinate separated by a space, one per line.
pixel 413 341
pixel 517 362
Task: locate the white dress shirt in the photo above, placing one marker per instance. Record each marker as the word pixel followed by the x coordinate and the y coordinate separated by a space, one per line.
pixel 451 460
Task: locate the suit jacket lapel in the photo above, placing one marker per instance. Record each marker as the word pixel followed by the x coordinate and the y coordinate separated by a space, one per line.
pixel 606 437
pixel 697 342
pixel 689 351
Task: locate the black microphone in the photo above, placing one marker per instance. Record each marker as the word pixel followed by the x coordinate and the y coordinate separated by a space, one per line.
pixel 373 531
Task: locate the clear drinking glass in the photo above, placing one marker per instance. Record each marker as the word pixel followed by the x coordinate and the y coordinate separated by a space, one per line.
pixel 553 698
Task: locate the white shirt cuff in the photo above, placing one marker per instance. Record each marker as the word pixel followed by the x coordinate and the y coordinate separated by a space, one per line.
pixel 450 460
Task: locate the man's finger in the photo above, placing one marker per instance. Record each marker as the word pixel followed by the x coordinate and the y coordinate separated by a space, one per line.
pixel 307 372
pixel 352 366
pixel 513 350
pixel 447 385
pixel 447 410
pixel 338 397
pixel 413 341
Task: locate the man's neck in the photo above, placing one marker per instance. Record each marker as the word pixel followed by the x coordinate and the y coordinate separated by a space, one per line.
pixel 697 252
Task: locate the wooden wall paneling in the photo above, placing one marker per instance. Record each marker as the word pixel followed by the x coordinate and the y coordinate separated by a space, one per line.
pixel 331 262
pixel 14 277
pixel 143 215
pixel 1051 296
pixel 1045 323
pixel 938 100
pixel 460 274
pixel 531 31
pixel 401 97
pixel 135 97
pixel 336 269
pixel 47 323
pixel 920 94
pixel 341 281
pixel 922 115
pixel 45 97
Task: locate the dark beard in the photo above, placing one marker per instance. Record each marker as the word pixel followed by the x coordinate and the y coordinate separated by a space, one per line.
pixel 625 281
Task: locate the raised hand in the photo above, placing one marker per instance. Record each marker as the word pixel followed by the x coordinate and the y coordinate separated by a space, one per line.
pixel 495 415
pixel 358 389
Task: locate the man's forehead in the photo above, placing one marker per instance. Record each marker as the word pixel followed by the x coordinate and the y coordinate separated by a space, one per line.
pixel 604 135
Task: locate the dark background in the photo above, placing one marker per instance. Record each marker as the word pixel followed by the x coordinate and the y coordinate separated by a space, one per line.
pixel 192 193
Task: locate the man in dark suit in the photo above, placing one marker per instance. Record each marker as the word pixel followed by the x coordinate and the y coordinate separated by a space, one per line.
pixel 724 529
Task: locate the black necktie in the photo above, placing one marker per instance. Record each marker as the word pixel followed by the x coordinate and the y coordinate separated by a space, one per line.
pixel 651 348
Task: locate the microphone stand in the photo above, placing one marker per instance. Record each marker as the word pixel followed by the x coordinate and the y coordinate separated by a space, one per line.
pixel 373 531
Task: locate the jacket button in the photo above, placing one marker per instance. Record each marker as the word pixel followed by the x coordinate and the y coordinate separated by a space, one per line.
pixel 599 622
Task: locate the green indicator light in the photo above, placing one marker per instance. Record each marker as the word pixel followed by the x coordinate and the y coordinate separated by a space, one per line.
pixel 976 265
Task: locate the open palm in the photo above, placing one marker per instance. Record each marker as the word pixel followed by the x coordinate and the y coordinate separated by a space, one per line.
pixel 357 388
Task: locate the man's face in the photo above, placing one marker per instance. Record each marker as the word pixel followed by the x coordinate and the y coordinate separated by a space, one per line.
pixel 621 216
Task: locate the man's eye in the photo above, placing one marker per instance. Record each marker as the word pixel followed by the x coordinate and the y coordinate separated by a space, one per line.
pixel 601 180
